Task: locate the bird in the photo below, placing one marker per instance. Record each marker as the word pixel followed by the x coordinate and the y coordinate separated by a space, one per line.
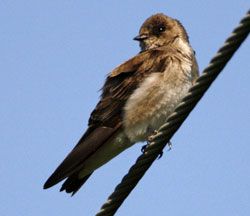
pixel 137 97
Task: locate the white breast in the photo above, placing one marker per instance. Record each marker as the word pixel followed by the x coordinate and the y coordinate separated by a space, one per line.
pixel 155 99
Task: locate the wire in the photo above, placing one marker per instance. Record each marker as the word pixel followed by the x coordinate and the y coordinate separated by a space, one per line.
pixel 175 120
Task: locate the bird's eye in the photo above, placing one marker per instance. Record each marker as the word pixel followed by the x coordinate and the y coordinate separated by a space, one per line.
pixel 161 29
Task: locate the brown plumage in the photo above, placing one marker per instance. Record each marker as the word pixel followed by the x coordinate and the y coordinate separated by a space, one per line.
pixel 137 97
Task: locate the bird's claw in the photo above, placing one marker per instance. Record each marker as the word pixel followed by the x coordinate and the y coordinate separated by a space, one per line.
pixel 169 144
pixel 160 155
pixel 150 139
pixel 143 148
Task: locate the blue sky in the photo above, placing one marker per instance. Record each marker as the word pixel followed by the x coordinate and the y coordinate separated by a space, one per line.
pixel 54 56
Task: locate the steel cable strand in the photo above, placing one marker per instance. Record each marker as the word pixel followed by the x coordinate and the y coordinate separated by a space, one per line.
pixel 166 131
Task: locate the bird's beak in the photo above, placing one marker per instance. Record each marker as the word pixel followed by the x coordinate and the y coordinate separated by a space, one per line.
pixel 140 37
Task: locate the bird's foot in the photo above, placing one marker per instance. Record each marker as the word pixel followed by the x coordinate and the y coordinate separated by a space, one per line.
pixel 150 138
pixel 143 148
pixel 160 155
pixel 169 144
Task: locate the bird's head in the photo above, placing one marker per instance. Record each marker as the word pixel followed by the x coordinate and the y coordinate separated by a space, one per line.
pixel 160 30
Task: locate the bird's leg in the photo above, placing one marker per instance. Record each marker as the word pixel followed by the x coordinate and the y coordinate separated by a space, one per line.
pixel 149 139
pixel 169 144
pixel 143 148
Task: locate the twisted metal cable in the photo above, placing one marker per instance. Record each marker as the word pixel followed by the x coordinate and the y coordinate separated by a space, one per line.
pixel 175 120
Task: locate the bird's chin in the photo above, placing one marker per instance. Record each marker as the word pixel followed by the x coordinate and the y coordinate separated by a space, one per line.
pixel 144 46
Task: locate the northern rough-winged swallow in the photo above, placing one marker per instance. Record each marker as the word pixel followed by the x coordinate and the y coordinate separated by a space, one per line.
pixel 136 99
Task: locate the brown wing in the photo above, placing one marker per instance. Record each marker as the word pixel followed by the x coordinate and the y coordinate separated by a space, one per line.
pixel 106 118
pixel 120 84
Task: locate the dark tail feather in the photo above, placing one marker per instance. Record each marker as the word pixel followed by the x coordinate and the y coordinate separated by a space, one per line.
pixel 73 183
pixel 75 160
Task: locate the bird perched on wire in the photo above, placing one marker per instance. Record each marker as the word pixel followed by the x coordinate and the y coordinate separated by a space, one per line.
pixel 136 100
